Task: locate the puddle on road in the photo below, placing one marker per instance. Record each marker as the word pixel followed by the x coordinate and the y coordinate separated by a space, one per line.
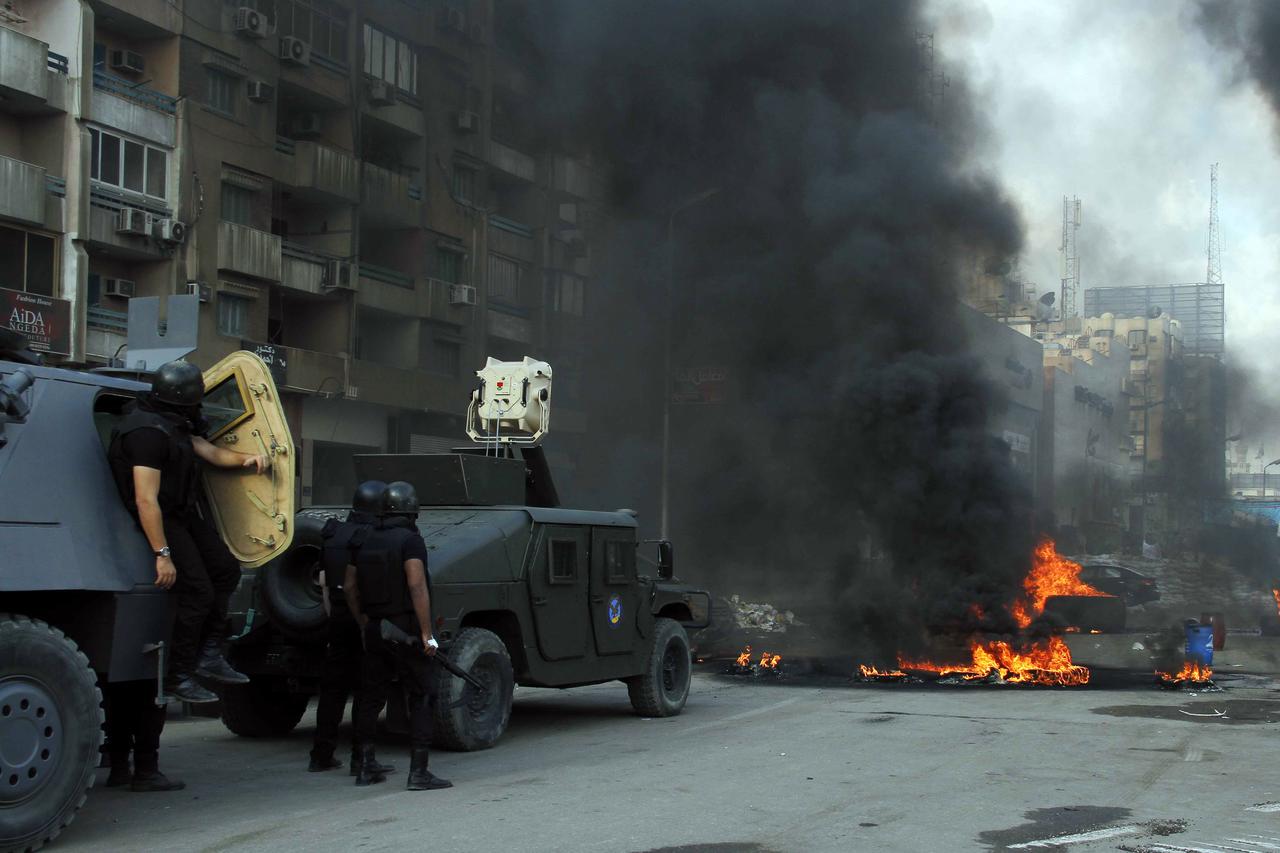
pixel 1053 823
pixel 1237 712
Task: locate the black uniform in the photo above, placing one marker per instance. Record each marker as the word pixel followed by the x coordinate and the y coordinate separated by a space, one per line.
pixel 384 594
pixel 341 676
pixel 153 436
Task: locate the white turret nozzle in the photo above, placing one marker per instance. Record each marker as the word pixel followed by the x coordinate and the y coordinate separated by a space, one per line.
pixel 512 404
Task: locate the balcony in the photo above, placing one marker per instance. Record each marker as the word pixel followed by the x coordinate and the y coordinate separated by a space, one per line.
pixel 503 323
pixel 389 200
pixel 511 238
pixel 32 79
pixel 302 269
pixel 310 372
pixel 105 205
pixel 111 84
pixel 574 177
pixel 512 162
pixel 144 18
pixel 321 171
pixel 105 332
pixel 249 251
pixel 23 191
pixel 405 387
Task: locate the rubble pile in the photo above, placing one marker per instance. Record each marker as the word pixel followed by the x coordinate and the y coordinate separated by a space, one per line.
pixel 761 617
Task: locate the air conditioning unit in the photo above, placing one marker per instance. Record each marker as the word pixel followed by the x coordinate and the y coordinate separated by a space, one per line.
pixel 199 290
pixel 462 294
pixel 381 93
pixel 260 91
pixel 305 125
pixel 295 51
pixel 453 20
pixel 468 122
pixel 170 230
pixel 251 23
pixel 121 287
pixel 130 220
pixel 339 275
pixel 128 61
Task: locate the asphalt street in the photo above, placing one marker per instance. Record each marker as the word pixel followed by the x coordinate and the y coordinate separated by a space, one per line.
pixel 755 766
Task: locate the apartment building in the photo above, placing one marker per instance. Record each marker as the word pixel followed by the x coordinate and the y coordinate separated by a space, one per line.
pixel 348 186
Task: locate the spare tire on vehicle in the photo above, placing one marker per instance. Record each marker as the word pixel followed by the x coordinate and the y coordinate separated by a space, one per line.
pixel 262 708
pixel 290 585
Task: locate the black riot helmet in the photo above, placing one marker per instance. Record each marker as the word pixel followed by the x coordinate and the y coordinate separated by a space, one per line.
pixel 400 498
pixel 178 383
pixel 368 497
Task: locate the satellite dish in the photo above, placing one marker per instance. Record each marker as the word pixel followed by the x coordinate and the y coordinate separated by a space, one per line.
pixel 1044 307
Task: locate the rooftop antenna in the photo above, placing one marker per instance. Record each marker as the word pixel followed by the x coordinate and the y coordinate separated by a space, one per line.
pixel 1070 259
pixel 1213 272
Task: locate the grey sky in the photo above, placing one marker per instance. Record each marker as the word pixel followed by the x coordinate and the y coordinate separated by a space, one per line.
pixel 1125 104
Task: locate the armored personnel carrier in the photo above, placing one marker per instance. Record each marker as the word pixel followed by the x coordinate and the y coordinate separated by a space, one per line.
pixel 524 591
pixel 78 603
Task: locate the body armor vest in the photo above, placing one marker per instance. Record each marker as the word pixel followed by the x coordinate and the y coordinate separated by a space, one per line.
pixel 384 591
pixel 177 476
pixel 340 541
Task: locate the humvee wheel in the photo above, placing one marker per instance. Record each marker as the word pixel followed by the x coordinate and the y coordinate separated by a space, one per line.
pixel 465 718
pixel 259 709
pixel 50 731
pixel 663 687
pixel 290 587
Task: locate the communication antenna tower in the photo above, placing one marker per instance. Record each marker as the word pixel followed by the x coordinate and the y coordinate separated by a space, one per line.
pixel 1070 259
pixel 933 83
pixel 1213 274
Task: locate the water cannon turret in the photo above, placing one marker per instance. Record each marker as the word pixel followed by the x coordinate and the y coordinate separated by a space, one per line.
pixel 512 406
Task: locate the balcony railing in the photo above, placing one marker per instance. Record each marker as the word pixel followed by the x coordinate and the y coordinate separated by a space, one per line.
pixel 104 318
pixel 58 62
pixel 385 275
pixel 285 145
pixel 518 228
pixel 108 82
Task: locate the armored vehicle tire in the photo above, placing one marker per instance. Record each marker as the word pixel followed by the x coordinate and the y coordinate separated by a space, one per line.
pixel 291 594
pixel 50 731
pixel 465 719
pixel 261 708
pixel 662 689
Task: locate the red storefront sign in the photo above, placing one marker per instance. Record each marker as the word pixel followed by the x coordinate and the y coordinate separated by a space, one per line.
pixel 44 321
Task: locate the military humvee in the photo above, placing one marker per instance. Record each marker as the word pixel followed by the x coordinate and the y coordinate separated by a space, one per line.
pixel 523 591
pixel 78 604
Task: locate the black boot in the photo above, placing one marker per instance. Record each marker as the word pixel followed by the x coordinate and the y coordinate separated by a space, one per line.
pixel 355 763
pixel 121 774
pixel 369 774
pixel 214 666
pixel 322 759
pixel 185 687
pixel 422 779
pixel 147 775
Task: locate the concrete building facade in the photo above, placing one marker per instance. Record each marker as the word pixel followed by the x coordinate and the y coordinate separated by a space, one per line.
pixel 348 186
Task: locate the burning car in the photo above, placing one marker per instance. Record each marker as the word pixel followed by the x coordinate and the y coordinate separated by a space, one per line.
pixel 1121 581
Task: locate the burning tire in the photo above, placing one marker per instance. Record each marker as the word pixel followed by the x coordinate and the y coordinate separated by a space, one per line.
pixel 466 719
pixel 50 730
pixel 662 689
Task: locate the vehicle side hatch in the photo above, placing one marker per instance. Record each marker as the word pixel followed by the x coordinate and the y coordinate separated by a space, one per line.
pixel 253 512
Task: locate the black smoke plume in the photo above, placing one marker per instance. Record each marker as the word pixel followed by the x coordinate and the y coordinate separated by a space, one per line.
pixel 822 276
pixel 1250 30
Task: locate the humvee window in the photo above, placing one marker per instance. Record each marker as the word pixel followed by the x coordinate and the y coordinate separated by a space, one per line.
pixel 225 406
pixel 564 561
pixel 619 561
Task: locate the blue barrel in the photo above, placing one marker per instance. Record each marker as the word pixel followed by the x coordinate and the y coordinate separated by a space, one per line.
pixel 1199 643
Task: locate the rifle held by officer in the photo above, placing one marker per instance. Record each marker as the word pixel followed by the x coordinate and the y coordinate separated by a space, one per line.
pixel 392 634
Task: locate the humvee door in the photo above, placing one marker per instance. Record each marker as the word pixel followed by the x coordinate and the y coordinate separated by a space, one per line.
pixel 253 512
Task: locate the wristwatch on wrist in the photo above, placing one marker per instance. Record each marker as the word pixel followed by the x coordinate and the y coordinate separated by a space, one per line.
pixel 163 552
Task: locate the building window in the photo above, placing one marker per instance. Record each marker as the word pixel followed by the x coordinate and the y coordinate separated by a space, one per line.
pixel 93 295
pixel 127 164
pixel 237 204
pixel 1136 338
pixel 30 262
pixel 320 23
pixel 390 59
pixel 568 295
pixel 464 183
pixel 233 315
pixel 222 91
pixel 504 281
pixel 441 354
pixel 448 265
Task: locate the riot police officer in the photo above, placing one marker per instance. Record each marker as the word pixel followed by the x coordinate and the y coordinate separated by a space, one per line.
pixel 341 676
pixel 154 454
pixel 388 580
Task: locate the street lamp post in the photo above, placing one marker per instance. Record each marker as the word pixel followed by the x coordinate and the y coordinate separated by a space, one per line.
pixel 666 361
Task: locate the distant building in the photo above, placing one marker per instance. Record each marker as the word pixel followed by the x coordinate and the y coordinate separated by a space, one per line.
pixel 1199 308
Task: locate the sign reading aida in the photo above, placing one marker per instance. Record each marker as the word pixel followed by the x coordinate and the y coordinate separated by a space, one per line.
pixel 44 321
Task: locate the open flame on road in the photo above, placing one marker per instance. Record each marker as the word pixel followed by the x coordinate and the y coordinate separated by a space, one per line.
pixel 767 660
pixel 1045 661
pixel 1192 672
pixel 1275 593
